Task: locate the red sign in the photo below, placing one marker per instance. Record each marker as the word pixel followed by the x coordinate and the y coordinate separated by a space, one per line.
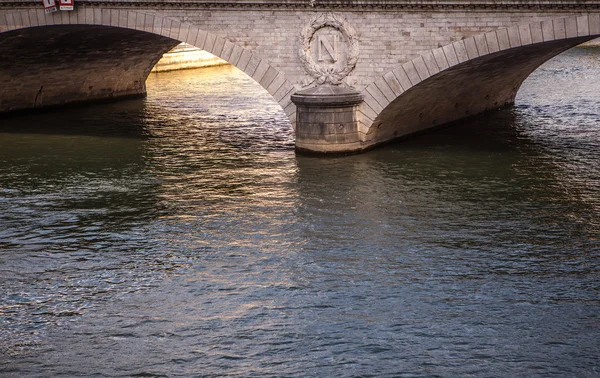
pixel 66 4
pixel 49 6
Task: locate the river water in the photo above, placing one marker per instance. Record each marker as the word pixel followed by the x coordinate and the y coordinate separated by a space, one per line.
pixel 180 235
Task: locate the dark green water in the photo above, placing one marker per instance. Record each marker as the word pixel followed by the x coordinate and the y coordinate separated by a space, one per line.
pixel 181 235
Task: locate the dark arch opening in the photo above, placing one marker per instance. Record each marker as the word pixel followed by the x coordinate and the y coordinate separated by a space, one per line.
pixel 49 66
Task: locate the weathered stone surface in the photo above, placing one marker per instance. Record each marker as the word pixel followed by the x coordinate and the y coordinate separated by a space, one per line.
pixel 327 119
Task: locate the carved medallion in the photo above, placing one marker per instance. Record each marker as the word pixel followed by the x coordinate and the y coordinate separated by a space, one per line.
pixel 329 49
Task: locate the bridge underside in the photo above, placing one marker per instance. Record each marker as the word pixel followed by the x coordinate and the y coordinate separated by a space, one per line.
pixel 478 85
pixel 48 66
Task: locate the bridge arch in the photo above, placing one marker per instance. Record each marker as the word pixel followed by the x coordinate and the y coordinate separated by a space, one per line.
pixel 466 77
pixel 124 72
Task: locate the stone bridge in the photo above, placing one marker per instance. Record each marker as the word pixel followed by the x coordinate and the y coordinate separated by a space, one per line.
pixel 349 74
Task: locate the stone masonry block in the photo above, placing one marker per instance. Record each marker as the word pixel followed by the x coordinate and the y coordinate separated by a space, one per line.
pixel 421 68
pixel 461 51
pixel 218 46
pixel 166 27
pixel 377 95
pixel 286 98
pixel 63 18
pixel 440 58
pixel 236 53
pixel 261 70
pixel 403 78
pixel 594 20
pixel 385 89
pixel 114 18
pixel 209 43
pixel 183 32
pixel 192 35
pixel 537 32
pixel 268 78
pixel 492 42
pixel 132 19
pixel 583 26
pixel 450 55
pixel 514 36
pixel 97 16
pixel 276 83
pixel 22 20
pixel 14 21
pixel 559 29
pixel 471 47
pixel 432 66
pixel 74 16
pixel 244 59
pixel 33 18
pixel 289 108
pixel 393 83
pixel 123 14
pixel 372 102
pixel 227 50
pixel 548 30
pixel 252 65
pixel 148 22
pixel 411 72
pixel 81 15
pixel 157 27
pixel 482 46
pixel 41 17
pixel 571 27
pixel 89 16
pixel 367 111
pixel 6 21
pixel 503 40
pixel 287 89
pixel 200 39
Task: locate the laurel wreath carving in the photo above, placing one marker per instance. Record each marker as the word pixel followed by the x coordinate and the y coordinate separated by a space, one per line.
pixel 333 75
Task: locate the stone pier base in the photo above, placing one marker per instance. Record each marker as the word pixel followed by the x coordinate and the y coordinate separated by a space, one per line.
pixel 326 120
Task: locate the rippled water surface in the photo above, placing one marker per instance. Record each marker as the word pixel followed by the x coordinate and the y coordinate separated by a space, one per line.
pixel 181 235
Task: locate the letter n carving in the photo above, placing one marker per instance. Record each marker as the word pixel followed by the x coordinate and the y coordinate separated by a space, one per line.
pixel 332 50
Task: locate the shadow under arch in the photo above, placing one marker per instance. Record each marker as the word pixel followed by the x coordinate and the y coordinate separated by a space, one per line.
pixel 466 77
pixel 74 53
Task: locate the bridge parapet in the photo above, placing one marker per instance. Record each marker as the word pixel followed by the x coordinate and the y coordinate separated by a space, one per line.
pixel 489 5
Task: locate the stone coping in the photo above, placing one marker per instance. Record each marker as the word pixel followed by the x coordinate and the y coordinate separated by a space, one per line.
pixel 326 96
pixel 320 4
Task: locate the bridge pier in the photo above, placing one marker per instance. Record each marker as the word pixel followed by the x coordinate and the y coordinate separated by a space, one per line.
pixel 326 120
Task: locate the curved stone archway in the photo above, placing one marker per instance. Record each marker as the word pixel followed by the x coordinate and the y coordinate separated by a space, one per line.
pixel 466 77
pixel 93 54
